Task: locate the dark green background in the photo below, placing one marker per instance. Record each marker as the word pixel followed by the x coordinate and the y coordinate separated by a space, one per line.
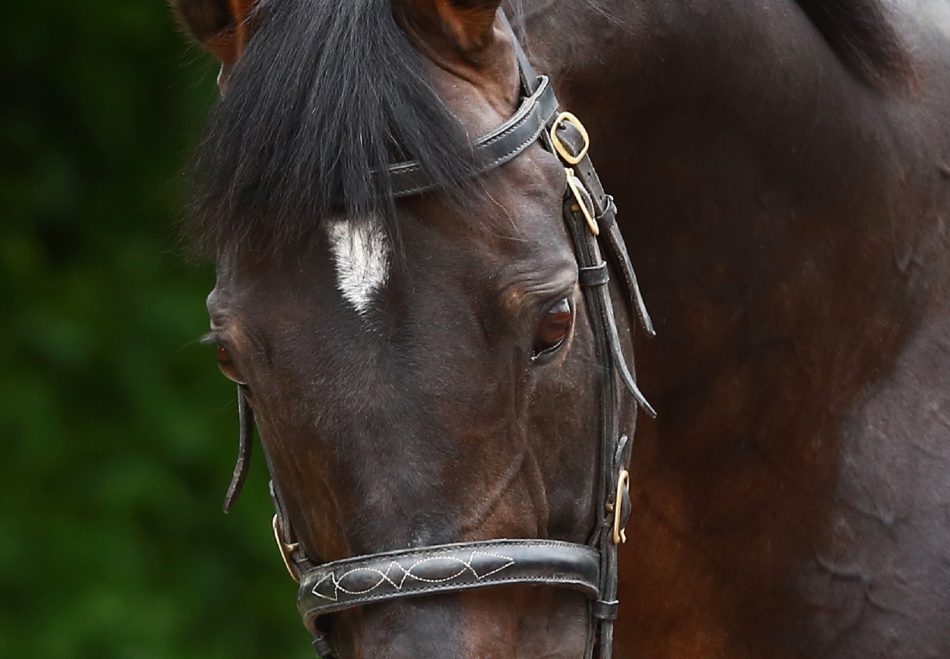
pixel 118 434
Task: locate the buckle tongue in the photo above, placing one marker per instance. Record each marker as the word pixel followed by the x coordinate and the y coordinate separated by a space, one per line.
pixel 584 200
pixel 286 550
pixel 562 148
pixel 623 493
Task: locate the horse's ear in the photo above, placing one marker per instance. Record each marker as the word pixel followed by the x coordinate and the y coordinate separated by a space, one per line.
pixel 223 27
pixel 467 23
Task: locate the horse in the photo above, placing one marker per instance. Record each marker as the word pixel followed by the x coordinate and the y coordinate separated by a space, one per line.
pixel 426 370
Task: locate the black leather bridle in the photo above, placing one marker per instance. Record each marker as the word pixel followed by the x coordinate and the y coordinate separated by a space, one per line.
pixel 591 568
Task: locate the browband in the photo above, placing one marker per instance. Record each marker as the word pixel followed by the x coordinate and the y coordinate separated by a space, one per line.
pixel 498 147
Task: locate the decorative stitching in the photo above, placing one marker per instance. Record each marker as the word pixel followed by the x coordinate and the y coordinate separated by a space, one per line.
pixel 516 121
pixel 462 547
pixel 501 160
pixel 407 573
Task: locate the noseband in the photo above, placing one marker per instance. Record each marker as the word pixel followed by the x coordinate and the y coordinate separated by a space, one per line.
pixel 591 568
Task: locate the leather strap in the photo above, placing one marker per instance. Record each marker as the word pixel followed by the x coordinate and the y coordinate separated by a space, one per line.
pixel 605 211
pixel 621 258
pixel 490 151
pixel 588 255
pixel 525 68
pixel 595 275
pixel 446 569
pixel 605 610
pixel 245 446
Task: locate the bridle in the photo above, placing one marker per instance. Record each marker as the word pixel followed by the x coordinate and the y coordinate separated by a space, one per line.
pixel 591 568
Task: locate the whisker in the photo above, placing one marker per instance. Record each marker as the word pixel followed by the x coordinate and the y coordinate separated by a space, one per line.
pixel 209 339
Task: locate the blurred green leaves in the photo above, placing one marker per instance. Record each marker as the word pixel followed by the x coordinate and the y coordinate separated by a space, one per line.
pixel 116 429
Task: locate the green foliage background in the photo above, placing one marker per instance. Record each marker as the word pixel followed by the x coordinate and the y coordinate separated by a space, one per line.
pixel 117 433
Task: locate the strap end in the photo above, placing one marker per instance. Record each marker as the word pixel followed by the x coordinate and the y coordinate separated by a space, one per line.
pixel 245 444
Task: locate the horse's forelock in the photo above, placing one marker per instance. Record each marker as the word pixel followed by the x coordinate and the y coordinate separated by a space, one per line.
pixel 326 95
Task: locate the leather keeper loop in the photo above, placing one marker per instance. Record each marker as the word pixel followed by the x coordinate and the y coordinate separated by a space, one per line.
pixel 609 217
pixel 594 276
pixel 604 610
pixel 322 646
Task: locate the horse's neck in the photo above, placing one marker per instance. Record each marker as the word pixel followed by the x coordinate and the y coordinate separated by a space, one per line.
pixel 788 219
pixel 762 176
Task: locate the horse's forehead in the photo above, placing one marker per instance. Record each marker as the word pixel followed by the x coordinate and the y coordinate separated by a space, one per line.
pixel 361 256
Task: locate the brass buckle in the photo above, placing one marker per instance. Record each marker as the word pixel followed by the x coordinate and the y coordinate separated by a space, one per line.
pixel 623 485
pixel 286 551
pixel 559 146
pixel 578 190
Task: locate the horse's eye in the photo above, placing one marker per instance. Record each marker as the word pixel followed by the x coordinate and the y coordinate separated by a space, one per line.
pixel 227 365
pixel 553 329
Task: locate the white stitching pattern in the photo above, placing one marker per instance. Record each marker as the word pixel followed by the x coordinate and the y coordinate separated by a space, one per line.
pixel 395 568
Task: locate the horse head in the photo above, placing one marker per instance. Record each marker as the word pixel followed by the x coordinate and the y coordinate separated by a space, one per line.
pixel 414 302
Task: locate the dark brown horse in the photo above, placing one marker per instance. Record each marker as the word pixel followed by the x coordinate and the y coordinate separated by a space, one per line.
pixel 417 369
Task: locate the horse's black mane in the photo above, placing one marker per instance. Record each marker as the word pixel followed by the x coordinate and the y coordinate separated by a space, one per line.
pixel 862 34
pixel 327 93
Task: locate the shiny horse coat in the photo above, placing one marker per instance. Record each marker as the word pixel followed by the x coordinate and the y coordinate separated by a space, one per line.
pixel 782 174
